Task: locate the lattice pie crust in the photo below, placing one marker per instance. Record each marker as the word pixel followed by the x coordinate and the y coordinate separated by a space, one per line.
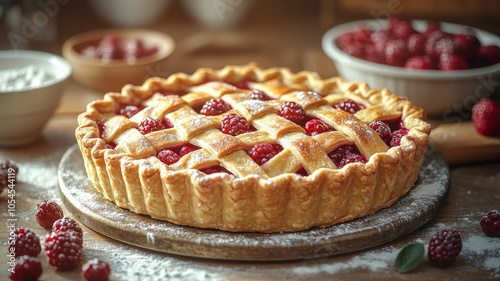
pixel 267 198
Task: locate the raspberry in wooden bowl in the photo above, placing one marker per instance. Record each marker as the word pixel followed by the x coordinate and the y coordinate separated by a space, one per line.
pixel 437 65
pixel 106 60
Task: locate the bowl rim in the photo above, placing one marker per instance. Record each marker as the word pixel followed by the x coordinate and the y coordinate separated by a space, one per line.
pixel 333 51
pixel 164 50
pixel 59 76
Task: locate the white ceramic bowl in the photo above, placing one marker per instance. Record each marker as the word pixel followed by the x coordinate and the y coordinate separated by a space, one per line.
pixel 25 111
pixel 130 13
pixel 440 93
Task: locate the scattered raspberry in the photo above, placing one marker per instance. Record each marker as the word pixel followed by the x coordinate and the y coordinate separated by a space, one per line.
pixel 234 124
pixel 349 106
pixel 214 170
pixel 8 173
pixel 485 116
pixel 315 127
pixel 96 270
pixel 27 269
pixel 420 62
pixel 262 152
pixel 396 137
pixel 68 225
pixel 382 129
pixel 149 125
pixel 259 95
pixel 187 148
pixel 214 107
pixel 444 247
pixel 490 223
pixel 168 156
pixel 292 111
pixel 128 111
pixel 63 249
pixel 452 62
pixel 47 213
pixel 26 243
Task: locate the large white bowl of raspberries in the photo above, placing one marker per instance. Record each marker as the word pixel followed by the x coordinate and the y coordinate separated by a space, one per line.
pixel 439 66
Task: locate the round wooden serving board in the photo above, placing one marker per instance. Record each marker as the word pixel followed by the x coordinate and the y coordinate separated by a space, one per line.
pixel 406 215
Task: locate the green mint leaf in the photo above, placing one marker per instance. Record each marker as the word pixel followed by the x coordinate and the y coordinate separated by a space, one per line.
pixel 409 257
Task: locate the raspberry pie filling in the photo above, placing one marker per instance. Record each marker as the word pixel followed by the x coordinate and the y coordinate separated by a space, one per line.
pixel 251 149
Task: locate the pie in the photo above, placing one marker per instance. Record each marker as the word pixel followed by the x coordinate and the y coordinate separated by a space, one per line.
pixel 247 149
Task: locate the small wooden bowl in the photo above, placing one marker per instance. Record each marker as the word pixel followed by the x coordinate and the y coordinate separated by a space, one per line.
pixel 113 75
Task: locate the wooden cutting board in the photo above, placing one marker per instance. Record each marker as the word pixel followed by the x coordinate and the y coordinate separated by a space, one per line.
pixel 459 143
pixel 406 215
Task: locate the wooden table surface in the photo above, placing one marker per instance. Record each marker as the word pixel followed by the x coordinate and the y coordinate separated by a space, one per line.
pixel 475 187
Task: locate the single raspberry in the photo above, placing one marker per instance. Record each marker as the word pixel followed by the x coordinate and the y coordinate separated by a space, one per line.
pixel 27 269
pixel 101 126
pixel 362 35
pixel 351 158
pixel 234 124
pixel 382 129
pixel 416 44
pixel 469 44
pixel 430 43
pixel 214 170
pixel 349 106
pixel 302 172
pixel 490 223
pixel 262 152
pixel 420 62
pixel 244 84
pixel 214 107
pixel 168 156
pixel 63 249
pixel 446 45
pixel 452 62
pixel 47 213
pixel 96 270
pixel 259 95
pixel 395 52
pixel 26 243
pixel 403 29
pixel 339 153
pixel 292 111
pixel 444 247
pixel 485 116
pixel 315 127
pixel 128 111
pixel 396 137
pixel 8 173
pixel 187 148
pixel 67 224
pixel 149 125
pixel 431 27
pixel 167 123
pixel 490 53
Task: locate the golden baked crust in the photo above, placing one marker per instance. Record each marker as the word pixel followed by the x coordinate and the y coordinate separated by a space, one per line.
pixel 267 198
